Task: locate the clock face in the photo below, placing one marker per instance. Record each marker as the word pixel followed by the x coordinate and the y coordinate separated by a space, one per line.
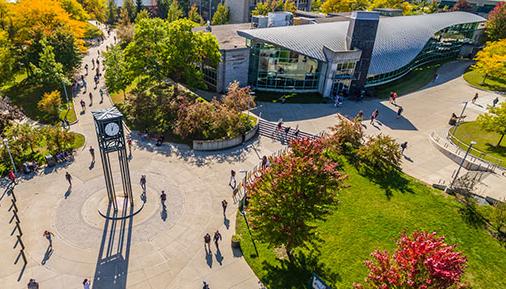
pixel 111 129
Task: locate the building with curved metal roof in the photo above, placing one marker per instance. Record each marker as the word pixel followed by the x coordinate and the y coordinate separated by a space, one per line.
pixel 368 50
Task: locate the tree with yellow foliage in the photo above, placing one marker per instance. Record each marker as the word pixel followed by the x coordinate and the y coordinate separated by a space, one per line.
pixel 33 20
pixel 491 60
pixel 50 103
pixel 333 6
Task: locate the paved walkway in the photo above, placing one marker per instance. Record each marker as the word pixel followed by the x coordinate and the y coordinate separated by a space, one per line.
pixel 425 111
pixel 158 249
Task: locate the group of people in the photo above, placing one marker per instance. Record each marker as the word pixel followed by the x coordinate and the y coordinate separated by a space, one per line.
pixel 284 131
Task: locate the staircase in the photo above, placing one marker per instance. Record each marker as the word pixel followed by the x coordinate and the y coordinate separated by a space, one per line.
pixel 268 129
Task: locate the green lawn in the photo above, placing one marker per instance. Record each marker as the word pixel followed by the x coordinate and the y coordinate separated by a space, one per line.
pixel 26 96
pixel 411 82
pixel 485 142
pixel 369 218
pixel 476 79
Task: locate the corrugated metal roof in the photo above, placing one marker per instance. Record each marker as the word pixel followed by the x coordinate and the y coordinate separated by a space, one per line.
pixel 398 40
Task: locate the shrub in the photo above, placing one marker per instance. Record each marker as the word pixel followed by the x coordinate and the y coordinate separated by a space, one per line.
pixel 421 260
pixel 238 98
pixel 346 136
pixel 380 155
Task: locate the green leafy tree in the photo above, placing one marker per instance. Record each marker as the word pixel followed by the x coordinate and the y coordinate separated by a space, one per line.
pixel 316 5
pixel 49 71
pixel 7 58
pixel 494 121
pixel 333 6
pixel 163 50
pixel 23 136
pixel 297 189
pixel 50 103
pixel 143 14
pixel 112 12
pixel 380 155
pixel 130 8
pixel 221 16
pixel 491 60
pixel 263 8
pixel 496 24
pixel 57 139
pixel 95 8
pixel 116 73
pixel 175 12
pixel 163 8
pixel 194 15
pixel 498 218
pixel 66 50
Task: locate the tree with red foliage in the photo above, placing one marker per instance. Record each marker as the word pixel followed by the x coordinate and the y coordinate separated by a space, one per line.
pixel 462 5
pixel 422 261
pixel 496 24
pixel 296 189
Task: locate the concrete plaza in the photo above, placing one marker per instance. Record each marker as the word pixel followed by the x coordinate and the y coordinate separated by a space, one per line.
pixel 164 248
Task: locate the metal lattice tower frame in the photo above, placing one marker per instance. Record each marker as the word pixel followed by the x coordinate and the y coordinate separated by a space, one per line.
pixel 109 144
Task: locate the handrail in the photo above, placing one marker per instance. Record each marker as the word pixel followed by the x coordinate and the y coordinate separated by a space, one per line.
pixel 482 156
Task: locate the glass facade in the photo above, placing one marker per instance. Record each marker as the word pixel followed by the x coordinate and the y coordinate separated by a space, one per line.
pixel 343 77
pixel 279 69
pixel 445 44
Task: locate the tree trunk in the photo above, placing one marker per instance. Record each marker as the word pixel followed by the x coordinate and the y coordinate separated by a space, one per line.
pixel 484 78
pixel 500 140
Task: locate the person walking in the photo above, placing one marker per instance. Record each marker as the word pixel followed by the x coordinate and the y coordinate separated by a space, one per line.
pixel 93 63
pixel 129 142
pixel 86 68
pixel 91 98
pixel 206 286
pixel 475 97
pixel 217 237
pixel 12 177
pixel 373 116
pixel 32 284
pixel 224 204
pixel 232 183
pixel 296 132
pixel 265 162
pixel 83 106
pixel 404 145
pixel 207 242
pixel 92 153
pixel 143 182
pixel 101 92
pixel 68 177
pixel 163 198
pixel 360 116
pixel 495 101
pixel 86 284
pixel 49 236
pixel 399 111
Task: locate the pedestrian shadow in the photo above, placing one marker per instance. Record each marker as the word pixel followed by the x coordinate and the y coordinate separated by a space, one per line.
pixel 113 257
pixel 408 159
pixel 209 257
pixel 163 214
pixel 47 255
pixel 219 257
pixel 226 222
pixel 92 165
pixel 68 192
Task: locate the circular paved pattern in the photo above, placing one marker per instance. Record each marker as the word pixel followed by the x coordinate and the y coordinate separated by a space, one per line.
pixel 79 213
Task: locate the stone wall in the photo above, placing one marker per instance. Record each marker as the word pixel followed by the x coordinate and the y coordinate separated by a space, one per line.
pixel 213 145
pixel 234 65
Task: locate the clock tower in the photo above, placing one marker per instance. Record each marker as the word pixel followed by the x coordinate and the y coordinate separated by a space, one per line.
pixel 111 138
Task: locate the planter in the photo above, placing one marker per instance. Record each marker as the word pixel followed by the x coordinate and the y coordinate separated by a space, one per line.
pixel 236 242
pixel 212 145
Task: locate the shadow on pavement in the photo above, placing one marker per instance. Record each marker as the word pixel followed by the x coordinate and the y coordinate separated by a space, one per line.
pixel 112 263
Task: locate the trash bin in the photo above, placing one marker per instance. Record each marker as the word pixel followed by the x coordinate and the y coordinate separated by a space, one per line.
pixel 51 162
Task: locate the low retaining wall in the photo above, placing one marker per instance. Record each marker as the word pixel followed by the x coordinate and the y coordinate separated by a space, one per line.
pixel 471 163
pixel 213 145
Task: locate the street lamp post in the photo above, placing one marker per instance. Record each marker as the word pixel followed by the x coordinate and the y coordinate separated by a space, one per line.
pixel 6 143
pixel 461 164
